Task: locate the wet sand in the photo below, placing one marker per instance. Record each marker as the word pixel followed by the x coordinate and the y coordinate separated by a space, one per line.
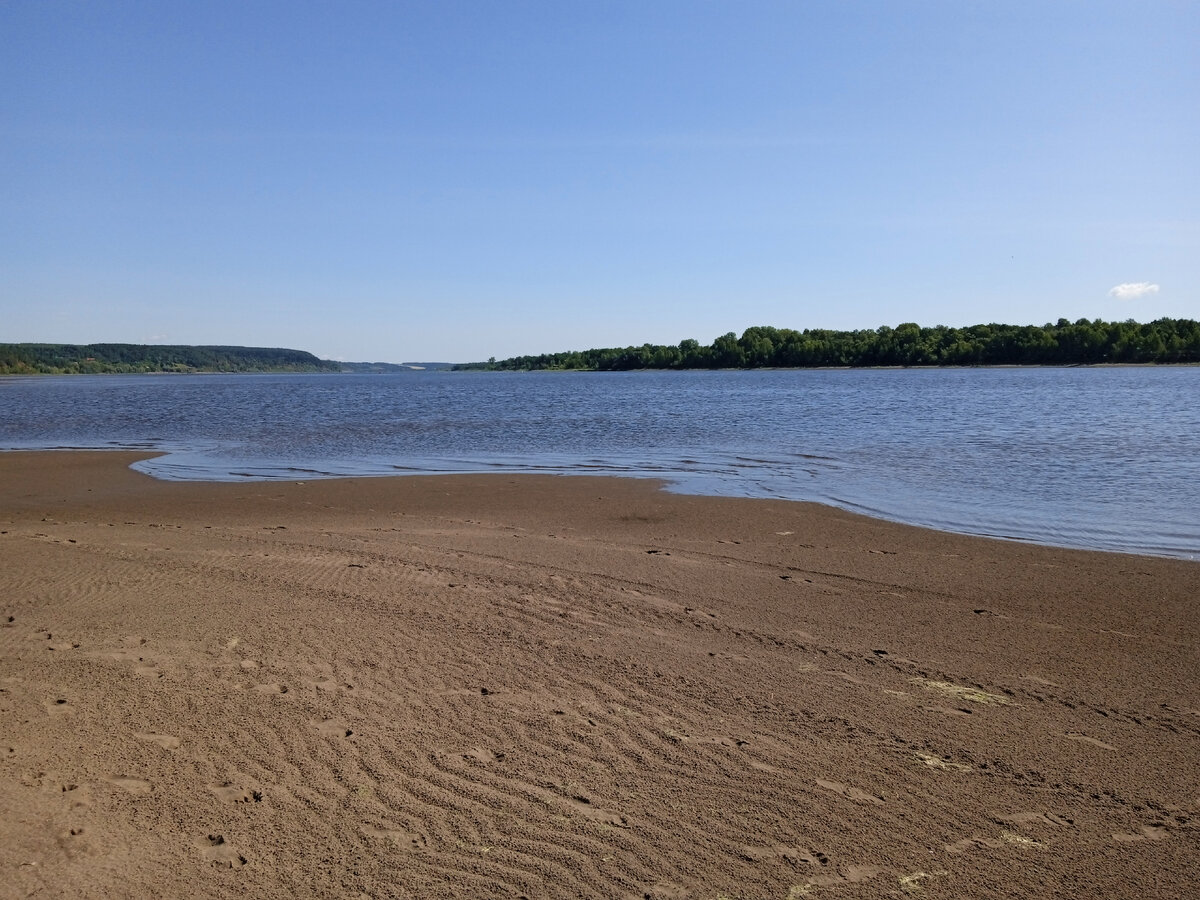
pixel 539 686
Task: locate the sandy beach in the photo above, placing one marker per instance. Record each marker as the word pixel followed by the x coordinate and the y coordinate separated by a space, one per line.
pixel 540 686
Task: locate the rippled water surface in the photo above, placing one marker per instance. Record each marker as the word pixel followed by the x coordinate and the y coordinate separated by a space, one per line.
pixel 1099 458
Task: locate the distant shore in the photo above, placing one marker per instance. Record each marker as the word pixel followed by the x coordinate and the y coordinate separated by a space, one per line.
pixel 507 685
pixel 404 369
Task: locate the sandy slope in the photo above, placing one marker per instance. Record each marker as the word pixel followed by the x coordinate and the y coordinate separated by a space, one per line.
pixel 560 687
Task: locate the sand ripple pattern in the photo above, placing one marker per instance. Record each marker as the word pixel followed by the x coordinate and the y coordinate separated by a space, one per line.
pixel 638 702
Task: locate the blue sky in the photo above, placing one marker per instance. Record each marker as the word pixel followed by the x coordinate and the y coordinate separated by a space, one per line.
pixel 457 180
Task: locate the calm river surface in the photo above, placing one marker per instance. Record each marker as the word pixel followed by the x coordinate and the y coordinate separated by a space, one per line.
pixel 1099 458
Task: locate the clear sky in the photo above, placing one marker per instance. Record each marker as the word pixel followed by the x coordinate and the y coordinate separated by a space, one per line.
pixel 456 180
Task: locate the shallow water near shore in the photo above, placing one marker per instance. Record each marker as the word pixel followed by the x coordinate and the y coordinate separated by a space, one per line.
pixel 1093 458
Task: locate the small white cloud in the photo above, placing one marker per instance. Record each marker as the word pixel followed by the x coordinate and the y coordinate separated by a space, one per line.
pixel 1133 289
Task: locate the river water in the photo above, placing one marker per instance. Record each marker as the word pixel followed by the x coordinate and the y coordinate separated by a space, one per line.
pixel 1103 458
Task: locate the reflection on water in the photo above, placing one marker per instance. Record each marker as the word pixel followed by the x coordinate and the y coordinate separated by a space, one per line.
pixel 1104 458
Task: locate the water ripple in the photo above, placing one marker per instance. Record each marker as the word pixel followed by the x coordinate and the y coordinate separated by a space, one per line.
pixel 1095 458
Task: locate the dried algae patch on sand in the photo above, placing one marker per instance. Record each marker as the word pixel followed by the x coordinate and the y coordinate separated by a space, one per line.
pixel 1019 840
pixel 961 692
pixel 936 762
pixel 911 883
pixel 852 875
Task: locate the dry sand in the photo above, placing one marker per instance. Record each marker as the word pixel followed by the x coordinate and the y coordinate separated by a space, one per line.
pixel 503 686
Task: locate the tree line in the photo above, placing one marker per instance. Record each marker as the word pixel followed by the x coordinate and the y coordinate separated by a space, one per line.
pixel 98 359
pixel 1082 342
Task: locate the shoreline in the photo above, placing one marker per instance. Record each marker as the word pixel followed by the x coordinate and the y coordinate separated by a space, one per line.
pixel 496 685
pixel 674 485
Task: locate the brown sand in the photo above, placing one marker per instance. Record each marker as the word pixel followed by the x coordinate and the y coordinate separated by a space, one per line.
pixel 574 687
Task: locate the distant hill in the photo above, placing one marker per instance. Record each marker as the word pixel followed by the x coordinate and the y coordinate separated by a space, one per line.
pixel 95 359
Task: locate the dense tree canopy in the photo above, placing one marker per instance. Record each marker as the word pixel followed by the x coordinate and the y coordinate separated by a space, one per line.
pixel 70 359
pixel 1063 343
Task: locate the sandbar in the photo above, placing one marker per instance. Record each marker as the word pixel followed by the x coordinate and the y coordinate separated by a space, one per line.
pixel 545 686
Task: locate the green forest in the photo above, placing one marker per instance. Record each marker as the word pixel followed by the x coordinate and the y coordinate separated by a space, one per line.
pixel 96 359
pixel 1064 343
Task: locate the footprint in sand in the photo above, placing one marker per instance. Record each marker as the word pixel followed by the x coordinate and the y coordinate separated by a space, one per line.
pixel 718 740
pixel 228 792
pixel 79 796
pixel 166 741
pixel 483 756
pixel 330 685
pixel 791 854
pixel 850 793
pixel 219 853
pixel 333 728
pixel 731 657
pixel 977 843
pixel 584 805
pixel 59 706
pixel 73 842
pixel 133 785
pixel 1155 832
pixel 272 688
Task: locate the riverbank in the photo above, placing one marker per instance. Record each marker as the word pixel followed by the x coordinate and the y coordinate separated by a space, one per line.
pixel 509 685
